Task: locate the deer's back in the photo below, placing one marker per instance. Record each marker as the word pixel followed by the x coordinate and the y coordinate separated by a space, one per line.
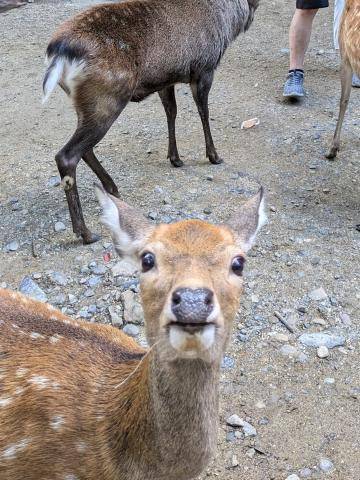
pixel 52 372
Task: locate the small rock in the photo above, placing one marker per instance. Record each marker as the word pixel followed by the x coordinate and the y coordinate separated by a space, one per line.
pixel 323 352
pixel 293 477
pixel 345 318
pixel 280 337
pixel 289 351
pixel 89 293
pixel 99 270
pixel 153 215
pixel 305 472
pixel 37 276
pixel 207 211
pixel 326 465
pixel 131 330
pixel 72 299
pixel 93 281
pixel 234 461
pixel 59 299
pixel 58 278
pixel 54 181
pixel 318 294
pixel 227 363
pixel 329 381
pixel 321 339
pixel 59 227
pixel 249 430
pixel 31 289
pixel 230 436
pixel 124 268
pixel 235 421
pixel 133 312
pixel 260 405
pixel 319 321
pixel 12 246
pixel 251 453
pixel 115 317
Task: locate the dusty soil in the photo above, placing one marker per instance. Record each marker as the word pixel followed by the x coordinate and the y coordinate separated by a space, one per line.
pixel 311 241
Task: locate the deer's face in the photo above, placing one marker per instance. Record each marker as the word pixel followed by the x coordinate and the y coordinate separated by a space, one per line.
pixel 191 276
pixel 191 284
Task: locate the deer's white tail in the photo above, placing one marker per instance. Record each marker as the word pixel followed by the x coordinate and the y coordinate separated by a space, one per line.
pixel 61 69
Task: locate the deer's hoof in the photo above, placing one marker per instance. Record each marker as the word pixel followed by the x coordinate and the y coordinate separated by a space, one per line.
pixel 176 162
pixel 90 237
pixel 332 153
pixel 215 160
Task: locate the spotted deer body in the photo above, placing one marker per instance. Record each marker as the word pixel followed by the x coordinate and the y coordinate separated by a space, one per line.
pixel 82 401
pixel 112 54
pixel 349 41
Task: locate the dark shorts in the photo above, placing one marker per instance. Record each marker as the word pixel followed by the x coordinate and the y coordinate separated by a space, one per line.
pixel 307 4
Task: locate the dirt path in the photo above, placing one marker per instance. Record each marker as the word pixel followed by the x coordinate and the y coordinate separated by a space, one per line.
pixel 304 409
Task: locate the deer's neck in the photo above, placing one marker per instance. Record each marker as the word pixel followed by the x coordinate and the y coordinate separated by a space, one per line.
pixel 170 416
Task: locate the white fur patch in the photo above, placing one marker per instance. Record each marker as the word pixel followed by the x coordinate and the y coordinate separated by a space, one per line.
pixel 11 451
pixel 179 338
pixel 65 71
pixel 57 422
pixel 110 219
pixel 5 401
pixel 262 220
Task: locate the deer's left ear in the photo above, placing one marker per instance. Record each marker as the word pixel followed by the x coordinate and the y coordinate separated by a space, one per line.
pixel 248 221
pixel 128 227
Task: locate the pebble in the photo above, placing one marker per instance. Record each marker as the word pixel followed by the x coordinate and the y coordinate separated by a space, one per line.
pixel 89 293
pixel 234 461
pixel 153 215
pixel 345 318
pixel 305 472
pixel 280 337
pixel 326 465
pixel 12 246
pixel 320 339
pixel 115 317
pixel 31 289
pixel 131 330
pixel 124 268
pixel 59 227
pixel 54 181
pixel 235 421
pixel 99 270
pixel 249 430
pixel 93 281
pixel 329 381
pixel 72 299
pixel 227 363
pixel 133 312
pixel 207 211
pixel 323 352
pixel 58 278
pixel 318 294
pixel 293 477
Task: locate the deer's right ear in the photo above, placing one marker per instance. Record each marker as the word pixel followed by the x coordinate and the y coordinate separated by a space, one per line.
pixel 127 226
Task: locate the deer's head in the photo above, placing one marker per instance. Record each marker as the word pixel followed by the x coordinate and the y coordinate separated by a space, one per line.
pixel 191 274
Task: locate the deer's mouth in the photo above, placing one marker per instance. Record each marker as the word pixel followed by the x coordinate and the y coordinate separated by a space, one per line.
pixel 190 339
pixel 191 327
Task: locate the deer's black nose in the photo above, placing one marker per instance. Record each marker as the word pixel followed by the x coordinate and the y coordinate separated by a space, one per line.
pixel 192 305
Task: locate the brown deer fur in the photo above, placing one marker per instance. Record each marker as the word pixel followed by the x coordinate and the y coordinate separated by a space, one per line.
pixel 80 401
pixel 112 54
pixel 349 40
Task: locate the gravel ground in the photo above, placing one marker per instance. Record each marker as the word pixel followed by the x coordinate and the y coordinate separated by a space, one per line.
pixel 302 403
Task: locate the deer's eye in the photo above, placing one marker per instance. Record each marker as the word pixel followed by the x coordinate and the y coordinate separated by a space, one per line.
pixel 147 261
pixel 237 265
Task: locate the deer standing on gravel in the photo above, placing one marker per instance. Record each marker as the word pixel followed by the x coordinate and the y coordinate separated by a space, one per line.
pixel 112 54
pixel 349 41
pixel 82 401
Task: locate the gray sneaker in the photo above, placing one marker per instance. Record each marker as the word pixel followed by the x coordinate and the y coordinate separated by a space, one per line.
pixel 294 85
pixel 355 81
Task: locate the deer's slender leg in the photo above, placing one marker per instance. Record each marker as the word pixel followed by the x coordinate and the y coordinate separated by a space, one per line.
pixel 167 96
pixel 200 88
pixel 345 75
pixel 108 183
pixel 94 122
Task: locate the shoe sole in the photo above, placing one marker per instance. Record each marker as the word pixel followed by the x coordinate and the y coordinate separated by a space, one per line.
pixel 293 95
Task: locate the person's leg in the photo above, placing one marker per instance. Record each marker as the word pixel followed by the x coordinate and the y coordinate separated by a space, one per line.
pixel 299 36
